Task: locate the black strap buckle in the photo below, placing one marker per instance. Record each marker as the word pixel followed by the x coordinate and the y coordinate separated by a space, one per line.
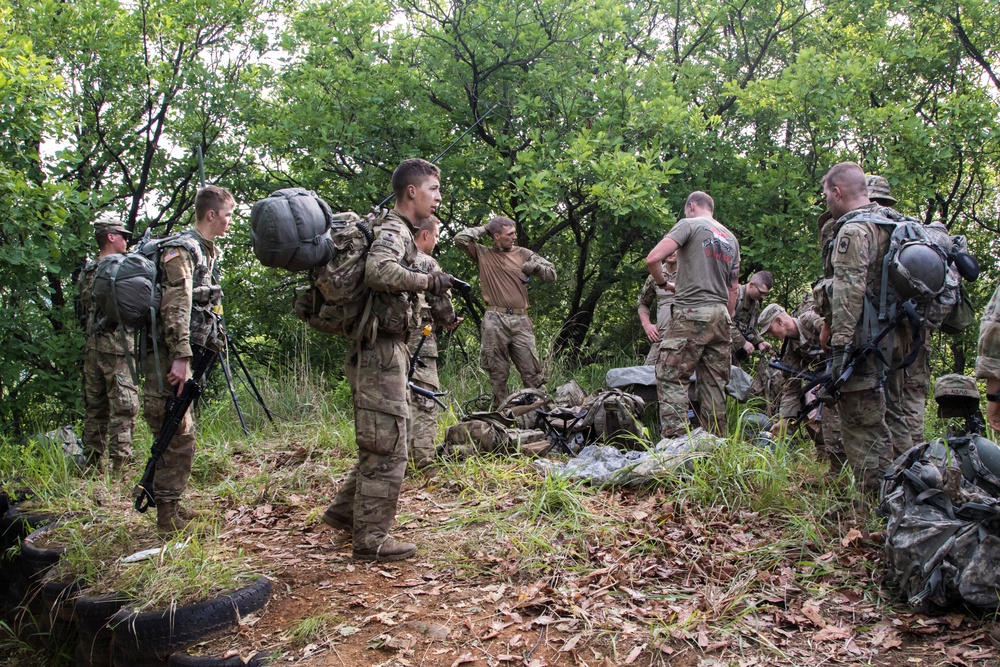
pixel 509 310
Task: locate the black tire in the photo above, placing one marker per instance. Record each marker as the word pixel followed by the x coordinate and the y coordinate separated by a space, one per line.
pixel 157 634
pixel 260 659
pixel 93 616
pixel 185 660
pixel 60 599
pixel 36 561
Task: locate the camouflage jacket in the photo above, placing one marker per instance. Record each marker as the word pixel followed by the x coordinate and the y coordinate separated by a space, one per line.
pixel 651 296
pixel 191 306
pixel 389 273
pixel 434 310
pixel 803 353
pixel 745 316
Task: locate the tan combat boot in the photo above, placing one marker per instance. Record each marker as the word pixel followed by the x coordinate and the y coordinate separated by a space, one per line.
pixel 390 550
pixel 168 521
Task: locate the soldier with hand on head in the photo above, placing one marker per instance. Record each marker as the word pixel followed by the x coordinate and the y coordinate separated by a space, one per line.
pixel 652 297
pixel 190 318
pixel 507 333
pixel 110 396
pixel 436 310
pixel 698 337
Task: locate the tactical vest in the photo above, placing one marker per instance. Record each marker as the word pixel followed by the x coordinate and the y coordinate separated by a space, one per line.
pixel 397 312
pixel 206 293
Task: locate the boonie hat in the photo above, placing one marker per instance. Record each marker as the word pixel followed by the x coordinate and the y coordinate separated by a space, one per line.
pixel 767 316
pixel 106 222
pixel 878 189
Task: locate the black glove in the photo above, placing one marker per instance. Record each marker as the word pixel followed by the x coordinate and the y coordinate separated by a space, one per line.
pixel 438 283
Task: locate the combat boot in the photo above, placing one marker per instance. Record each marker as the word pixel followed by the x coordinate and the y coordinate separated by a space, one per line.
pixel 336 521
pixel 389 550
pixel 189 515
pixel 168 521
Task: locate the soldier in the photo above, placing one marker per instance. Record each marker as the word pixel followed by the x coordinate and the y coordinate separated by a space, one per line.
pixel 435 311
pixel 376 370
pixel 110 396
pixel 746 340
pixel 857 253
pixel 651 296
pixel 907 388
pixel 801 350
pixel 988 359
pixel 698 337
pixel 189 318
pixel 507 333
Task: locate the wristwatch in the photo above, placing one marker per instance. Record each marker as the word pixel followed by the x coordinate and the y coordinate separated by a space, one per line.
pixel 663 284
pixel 993 398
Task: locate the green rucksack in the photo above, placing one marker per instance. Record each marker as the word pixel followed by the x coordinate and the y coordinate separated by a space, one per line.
pixel 126 286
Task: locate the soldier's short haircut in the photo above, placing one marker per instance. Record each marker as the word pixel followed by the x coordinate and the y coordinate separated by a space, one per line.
pixel 428 224
pixel 762 279
pixel 700 199
pixel 498 224
pixel 211 198
pixel 847 176
pixel 412 172
pixel 102 239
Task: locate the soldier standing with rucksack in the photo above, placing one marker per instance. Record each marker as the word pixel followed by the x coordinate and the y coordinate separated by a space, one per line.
pixel 110 397
pixel 189 319
pixel 856 256
pixel 376 369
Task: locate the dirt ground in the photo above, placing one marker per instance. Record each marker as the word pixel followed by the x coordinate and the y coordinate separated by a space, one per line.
pixel 646 610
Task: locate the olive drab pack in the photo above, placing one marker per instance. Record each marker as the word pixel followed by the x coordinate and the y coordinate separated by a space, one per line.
pixel 943 533
pixel 126 286
pixel 614 417
pixel 290 229
pixel 337 301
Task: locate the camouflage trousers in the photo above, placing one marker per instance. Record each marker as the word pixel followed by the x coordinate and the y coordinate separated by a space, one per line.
pixel 506 338
pixel 697 341
pixel 912 405
pixel 174 468
pixel 369 496
pixel 111 400
pixel 829 441
pixel 423 416
pixel 866 438
pixel 654 353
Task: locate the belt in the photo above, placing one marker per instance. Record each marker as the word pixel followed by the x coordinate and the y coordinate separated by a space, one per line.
pixel 508 310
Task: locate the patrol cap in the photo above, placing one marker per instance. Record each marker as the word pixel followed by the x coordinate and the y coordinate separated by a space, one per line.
pixel 878 189
pixel 955 385
pixel 767 316
pixel 956 395
pixel 106 222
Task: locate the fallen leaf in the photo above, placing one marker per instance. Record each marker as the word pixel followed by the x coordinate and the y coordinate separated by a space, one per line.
pixel 853 535
pixel 463 659
pixel 831 633
pixel 634 653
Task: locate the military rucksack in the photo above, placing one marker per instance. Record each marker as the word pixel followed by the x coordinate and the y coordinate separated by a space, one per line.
pixel 290 229
pixel 126 286
pixel 337 301
pixel 943 533
pixel 613 417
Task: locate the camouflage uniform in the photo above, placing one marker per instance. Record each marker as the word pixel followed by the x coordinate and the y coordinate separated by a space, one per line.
pixel 188 318
pixel 434 311
pixel 507 333
pixel 376 371
pixel 856 257
pixel 744 318
pixel 988 353
pixel 651 296
pixel 698 338
pixel 110 396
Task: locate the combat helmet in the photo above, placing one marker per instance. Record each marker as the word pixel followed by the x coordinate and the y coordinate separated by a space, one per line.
pixel 918 270
pixel 878 190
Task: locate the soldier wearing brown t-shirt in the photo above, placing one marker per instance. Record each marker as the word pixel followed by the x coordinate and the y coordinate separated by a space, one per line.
pixel 698 337
pixel 507 333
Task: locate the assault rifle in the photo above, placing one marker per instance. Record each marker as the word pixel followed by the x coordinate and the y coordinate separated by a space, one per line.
pixel 829 386
pixel 414 361
pixel 176 407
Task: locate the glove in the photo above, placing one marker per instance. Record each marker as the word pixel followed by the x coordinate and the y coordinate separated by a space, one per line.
pixel 438 283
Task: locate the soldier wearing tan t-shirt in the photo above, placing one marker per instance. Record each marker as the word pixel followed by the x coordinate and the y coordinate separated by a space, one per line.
pixel 507 333
pixel 698 337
